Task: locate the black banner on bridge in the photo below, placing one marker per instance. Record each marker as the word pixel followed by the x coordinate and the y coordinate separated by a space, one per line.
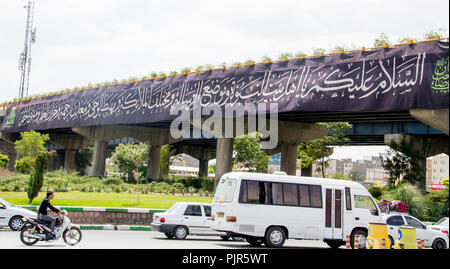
pixel 388 79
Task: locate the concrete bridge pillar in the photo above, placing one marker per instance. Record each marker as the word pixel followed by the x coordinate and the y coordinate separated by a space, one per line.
pixel 153 165
pixel 99 158
pixel 224 157
pixel 71 143
pixel 290 135
pixel 288 158
pixel 203 168
pixel 69 159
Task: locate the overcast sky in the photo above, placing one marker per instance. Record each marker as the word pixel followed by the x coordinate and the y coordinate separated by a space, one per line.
pixel 81 41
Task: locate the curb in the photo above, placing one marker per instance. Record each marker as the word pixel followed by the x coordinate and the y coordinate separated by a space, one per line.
pixel 106 227
pixel 109 227
pixel 100 209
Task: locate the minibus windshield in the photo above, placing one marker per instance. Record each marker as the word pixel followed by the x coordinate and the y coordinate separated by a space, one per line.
pixel 225 190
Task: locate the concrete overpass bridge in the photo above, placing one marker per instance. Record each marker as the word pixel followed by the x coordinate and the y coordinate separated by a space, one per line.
pixel 393 85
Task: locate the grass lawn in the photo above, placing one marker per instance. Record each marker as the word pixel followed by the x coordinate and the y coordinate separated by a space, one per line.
pixel 105 199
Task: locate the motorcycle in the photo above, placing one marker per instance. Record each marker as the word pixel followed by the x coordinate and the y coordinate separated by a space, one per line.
pixel 35 230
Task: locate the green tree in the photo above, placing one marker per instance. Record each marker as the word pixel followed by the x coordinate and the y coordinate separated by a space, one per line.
pixel 318 149
pixel 355 174
pixel 83 159
pixel 404 162
pixel 31 144
pixel 339 175
pixel 36 180
pixel 129 157
pixel 3 160
pixel 167 151
pixel 249 154
pixel 212 168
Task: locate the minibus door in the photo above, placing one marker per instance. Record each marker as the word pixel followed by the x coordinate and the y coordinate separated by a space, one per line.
pixel 334 210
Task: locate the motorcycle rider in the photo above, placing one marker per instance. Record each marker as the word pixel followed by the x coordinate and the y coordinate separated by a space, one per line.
pixel 42 215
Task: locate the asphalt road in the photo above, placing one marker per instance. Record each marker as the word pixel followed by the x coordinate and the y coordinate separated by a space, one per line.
pixel 143 240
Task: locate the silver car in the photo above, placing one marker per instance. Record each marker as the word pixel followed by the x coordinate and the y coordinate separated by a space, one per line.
pixel 11 215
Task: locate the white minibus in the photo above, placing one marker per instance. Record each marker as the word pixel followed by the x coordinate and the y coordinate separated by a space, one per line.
pixel 266 208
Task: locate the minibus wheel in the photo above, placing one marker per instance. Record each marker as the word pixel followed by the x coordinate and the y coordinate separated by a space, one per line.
pixel 362 239
pixel 275 237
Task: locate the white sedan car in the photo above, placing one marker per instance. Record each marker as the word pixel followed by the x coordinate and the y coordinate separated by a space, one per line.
pixel 432 238
pixel 11 215
pixel 441 225
pixel 184 219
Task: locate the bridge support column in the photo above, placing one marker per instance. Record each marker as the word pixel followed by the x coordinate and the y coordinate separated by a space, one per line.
pixel 99 159
pixel 288 158
pixel 203 168
pixel 69 159
pixel 224 157
pixel 153 165
pixel 290 135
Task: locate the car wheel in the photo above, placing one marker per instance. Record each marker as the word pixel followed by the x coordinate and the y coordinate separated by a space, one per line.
pixel 181 232
pixel 225 238
pixel 361 241
pixel 16 223
pixel 439 244
pixel 275 237
pixel 169 235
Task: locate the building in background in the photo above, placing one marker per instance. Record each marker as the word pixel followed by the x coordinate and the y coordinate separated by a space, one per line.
pixel 368 171
pixel 437 170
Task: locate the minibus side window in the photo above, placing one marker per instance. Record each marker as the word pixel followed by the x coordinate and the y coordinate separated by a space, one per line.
pixel 304 195
pixel 255 192
pixel 290 194
pixel 348 202
pixel 316 195
pixel 277 193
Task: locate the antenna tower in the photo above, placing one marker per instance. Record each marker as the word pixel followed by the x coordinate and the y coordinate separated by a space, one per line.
pixel 25 56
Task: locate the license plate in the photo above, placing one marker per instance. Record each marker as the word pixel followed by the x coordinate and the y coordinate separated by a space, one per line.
pixel 220 215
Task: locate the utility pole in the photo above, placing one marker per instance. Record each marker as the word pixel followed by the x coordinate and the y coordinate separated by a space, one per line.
pixel 25 56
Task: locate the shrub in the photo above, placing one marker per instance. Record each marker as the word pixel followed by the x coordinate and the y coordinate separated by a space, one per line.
pixel 410 195
pixel 113 181
pixel 207 184
pixel 376 192
pixel 24 165
pixel 37 175
pixel 3 160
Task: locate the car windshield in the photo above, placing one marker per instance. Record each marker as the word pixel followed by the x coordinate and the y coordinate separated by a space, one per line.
pixel 5 203
pixel 443 222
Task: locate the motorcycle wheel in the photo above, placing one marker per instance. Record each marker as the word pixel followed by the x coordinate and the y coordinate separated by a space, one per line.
pixel 72 236
pixel 27 240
